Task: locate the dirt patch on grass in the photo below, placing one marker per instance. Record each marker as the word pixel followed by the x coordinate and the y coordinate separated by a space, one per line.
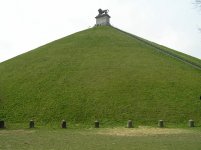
pixel 142 131
pixel 16 132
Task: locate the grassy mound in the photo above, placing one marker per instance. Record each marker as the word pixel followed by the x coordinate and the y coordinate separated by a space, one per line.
pixel 100 73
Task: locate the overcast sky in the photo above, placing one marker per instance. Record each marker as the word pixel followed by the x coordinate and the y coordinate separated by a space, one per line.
pixel 28 24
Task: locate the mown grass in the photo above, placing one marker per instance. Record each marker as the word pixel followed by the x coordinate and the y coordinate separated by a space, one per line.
pixel 100 139
pixel 166 50
pixel 101 74
pixel 182 55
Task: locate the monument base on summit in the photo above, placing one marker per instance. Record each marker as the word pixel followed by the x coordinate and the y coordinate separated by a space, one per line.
pixel 103 19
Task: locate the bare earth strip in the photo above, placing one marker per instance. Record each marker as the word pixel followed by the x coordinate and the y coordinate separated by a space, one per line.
pixel 142 131
pixel 16 132
pixel 141 138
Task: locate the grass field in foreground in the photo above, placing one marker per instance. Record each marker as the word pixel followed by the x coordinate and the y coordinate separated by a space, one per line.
pixel 142 138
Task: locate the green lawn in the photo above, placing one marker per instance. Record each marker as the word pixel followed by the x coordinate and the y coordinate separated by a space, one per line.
pixel 142 138
pixel 99 73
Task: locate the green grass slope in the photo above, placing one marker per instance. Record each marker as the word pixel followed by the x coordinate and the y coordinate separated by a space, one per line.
pixel 99 73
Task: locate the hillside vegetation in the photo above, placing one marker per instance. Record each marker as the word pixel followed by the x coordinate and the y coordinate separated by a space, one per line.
pixel 100 73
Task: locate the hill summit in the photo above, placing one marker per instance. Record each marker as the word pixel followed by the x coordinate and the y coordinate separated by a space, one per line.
pixel 100 73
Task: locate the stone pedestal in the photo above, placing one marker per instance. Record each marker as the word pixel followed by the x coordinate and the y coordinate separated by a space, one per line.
pixel 31 124
pixel 191 123
pixel 63 124
pixel 130 124
pixel 160 123
pixel 103 20
pixel 2 124
pixel 96 124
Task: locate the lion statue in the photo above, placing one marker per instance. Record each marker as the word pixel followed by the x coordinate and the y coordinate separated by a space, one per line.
pixel 103 11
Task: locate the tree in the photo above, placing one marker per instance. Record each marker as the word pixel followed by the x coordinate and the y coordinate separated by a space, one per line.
pixel 198 3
